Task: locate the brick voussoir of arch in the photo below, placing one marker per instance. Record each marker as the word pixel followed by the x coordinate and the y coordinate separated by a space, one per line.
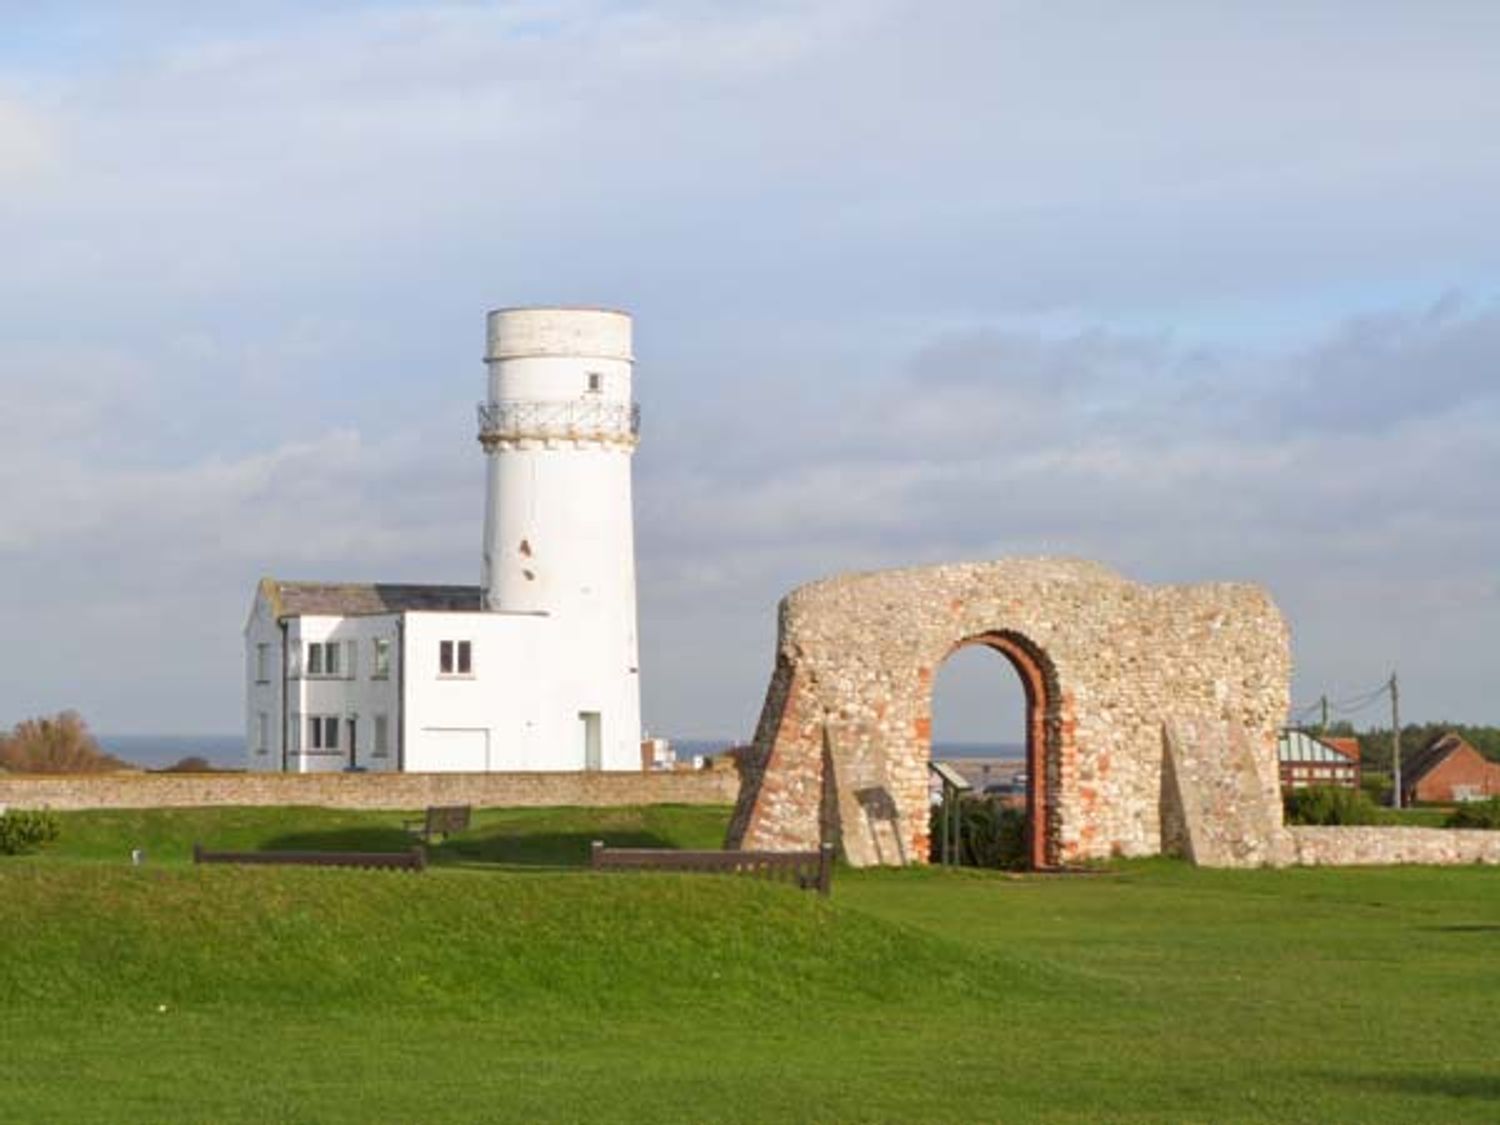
pixel 842 747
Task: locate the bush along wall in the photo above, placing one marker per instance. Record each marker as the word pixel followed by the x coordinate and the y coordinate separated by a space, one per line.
pixel 1476 814
pixel 23 831
pixel 990 834
pixel 1330 807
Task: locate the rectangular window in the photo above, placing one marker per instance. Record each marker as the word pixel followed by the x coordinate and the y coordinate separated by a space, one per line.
pixel 455 658
pixel 262 732
pixel 596 382
pixel 322 732
pixel 296 733
pixel 380 665
pixel 323 658
pixel 382 735
pixel 262 664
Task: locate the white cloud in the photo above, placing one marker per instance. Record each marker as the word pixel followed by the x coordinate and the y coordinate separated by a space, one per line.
pixel 28 150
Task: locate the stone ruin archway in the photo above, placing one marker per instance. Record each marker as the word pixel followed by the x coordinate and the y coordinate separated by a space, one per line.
pixel 841 751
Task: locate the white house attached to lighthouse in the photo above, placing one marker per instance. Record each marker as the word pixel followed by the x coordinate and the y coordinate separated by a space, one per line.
pixel 533 669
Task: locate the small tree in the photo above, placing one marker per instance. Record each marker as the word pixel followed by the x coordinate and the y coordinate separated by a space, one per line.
pixel 56 744
pixel 193 763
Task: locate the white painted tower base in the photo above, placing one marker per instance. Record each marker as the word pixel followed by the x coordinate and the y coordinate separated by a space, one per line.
pixel 559 430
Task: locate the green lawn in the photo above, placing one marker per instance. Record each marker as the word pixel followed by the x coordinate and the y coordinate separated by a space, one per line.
pixel 503 986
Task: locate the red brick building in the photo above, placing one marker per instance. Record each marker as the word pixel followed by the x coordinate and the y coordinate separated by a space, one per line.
pixel 1448 769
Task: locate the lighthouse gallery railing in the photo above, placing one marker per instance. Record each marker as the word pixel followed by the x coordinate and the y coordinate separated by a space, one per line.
pixel 577 418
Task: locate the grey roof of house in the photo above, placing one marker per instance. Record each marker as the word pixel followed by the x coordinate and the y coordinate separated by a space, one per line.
pixel 355 599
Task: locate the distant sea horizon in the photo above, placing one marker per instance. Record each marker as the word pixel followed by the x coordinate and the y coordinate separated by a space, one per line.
pixel 158 751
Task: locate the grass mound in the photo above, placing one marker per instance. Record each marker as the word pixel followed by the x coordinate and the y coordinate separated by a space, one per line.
pixel 463 942
pixel 507 984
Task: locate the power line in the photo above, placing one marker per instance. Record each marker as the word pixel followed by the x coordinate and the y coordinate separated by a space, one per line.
pixel 1360 701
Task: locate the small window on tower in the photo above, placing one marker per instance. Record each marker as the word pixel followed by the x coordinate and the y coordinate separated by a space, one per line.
pixel 596 382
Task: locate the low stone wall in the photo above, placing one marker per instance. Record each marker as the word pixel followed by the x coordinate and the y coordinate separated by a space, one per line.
pixel 1354 847
pixel 369 790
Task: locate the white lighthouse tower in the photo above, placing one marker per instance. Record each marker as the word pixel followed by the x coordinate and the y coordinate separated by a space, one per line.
pixel 532 670
pixel 559 429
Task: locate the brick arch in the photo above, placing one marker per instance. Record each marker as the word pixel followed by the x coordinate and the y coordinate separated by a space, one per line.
pixel 1045 731
pixel 844 740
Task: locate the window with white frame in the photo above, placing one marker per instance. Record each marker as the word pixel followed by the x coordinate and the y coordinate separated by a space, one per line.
pixel 382 735
pixel 322 733
pixel 262 663
pixel 455 658
pixel 323 658
pixel 380 662
pixel 262 732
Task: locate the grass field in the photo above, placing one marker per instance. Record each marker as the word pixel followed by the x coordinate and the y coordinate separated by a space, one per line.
pixel 503 985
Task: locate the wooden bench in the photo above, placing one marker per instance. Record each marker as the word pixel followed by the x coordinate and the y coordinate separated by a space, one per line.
pixel 441 820
pixel 413 860
pixel 810 871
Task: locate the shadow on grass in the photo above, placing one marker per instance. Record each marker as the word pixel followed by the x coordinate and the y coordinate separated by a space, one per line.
pixel 538 849
pixel 360 839
pixel 476 848
pixel 1471 1084
pixel 1464 928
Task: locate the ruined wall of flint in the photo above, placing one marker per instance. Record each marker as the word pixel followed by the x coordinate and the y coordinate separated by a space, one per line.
pixel 843 744
pixel 368 790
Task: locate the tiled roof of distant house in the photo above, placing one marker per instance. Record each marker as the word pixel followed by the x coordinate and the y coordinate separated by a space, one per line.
pixel 354 599
pixel 1349 747
pixel 1425 760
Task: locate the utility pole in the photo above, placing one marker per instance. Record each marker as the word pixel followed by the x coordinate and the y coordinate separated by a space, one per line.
pixel 1395 744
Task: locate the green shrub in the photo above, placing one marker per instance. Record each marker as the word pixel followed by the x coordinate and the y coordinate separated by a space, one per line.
pixel 22 831
pixel 1377 786
pixel 990 834
pixel 1332 807
pixel 1476 814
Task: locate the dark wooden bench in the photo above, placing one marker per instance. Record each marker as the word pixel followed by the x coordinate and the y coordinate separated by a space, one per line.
pixel 810 871
pixel 413 860
pixel 441 820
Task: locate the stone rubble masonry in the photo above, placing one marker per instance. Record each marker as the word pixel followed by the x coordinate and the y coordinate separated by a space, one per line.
pixel 1347 847
pixel 1220 808
pixel 844 740
pixel 368 790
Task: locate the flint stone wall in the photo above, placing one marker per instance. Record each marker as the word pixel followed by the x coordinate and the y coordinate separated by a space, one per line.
pixel 368 790
pixel 1348 847
pixel 842 749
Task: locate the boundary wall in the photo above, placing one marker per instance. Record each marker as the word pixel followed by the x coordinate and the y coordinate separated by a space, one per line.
pixel 369 790
pixel 1356 847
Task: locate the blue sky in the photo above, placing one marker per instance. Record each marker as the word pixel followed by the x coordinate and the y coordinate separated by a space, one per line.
pixel 1204 293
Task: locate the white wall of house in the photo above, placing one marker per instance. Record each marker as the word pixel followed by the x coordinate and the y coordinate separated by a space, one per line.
pixel 518 707
pixel 262 688
pixel 359 700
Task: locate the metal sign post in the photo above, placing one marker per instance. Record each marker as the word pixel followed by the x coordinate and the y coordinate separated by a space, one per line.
pixel 954 785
